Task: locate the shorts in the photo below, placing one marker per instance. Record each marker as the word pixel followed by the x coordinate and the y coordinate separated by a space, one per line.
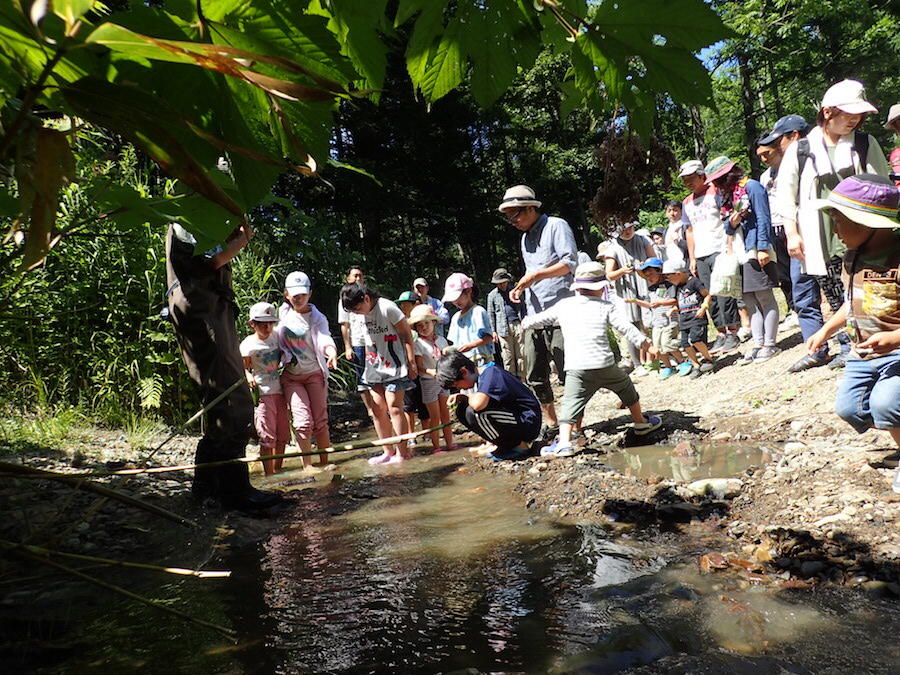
pixel 431 389
pixel 271 420
pixel 665 338
pixel 693 334
pixel 359 366
pixel 581 385
pixel 412 402
pixel 400 384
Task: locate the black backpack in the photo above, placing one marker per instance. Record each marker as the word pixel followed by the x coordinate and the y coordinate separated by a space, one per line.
pixel 860 144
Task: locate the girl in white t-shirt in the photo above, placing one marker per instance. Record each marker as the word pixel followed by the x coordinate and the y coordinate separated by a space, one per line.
pixel 390 364
pixel 262 366
pixel 429 347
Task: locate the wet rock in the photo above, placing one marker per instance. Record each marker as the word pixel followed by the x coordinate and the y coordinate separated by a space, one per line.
pixel 720 488
pixel 711 562
pixel 810 568
pixel 684 449
pixel 680 513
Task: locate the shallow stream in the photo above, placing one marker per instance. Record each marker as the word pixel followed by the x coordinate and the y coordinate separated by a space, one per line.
pixel 431 567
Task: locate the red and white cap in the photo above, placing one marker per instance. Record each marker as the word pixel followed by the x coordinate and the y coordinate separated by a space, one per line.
pixel 455 285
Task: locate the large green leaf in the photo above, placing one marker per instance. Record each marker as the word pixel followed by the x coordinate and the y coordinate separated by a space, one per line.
pixel 446 67
pixel 357 24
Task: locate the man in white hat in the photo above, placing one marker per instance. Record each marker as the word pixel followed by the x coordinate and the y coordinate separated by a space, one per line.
pixel 550 256
pixel 833 150
pixel 705 237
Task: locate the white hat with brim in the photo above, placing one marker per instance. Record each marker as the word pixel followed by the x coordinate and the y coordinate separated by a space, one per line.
pixel 590 276
pixel 690 167
pixel 848 96
pixel 893 114
pixel 589 285
pixel 518 195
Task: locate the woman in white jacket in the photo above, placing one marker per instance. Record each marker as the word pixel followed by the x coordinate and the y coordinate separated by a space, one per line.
pixel 307 352
pixel 811 167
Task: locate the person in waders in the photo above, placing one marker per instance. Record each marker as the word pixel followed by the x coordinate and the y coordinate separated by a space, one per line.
pixel 204 314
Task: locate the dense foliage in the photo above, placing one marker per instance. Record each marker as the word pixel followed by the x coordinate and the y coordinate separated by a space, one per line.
pixel 412 115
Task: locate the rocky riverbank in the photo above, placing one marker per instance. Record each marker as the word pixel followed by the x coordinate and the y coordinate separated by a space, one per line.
pixel 816 503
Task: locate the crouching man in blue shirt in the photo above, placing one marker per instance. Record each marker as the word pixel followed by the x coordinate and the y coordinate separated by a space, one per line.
pixel 502 410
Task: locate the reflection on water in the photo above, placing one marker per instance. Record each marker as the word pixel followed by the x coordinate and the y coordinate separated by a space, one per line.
pixel 703 461
pixel 427 568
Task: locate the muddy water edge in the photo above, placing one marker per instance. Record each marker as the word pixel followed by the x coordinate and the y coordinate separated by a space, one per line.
pixel 446 564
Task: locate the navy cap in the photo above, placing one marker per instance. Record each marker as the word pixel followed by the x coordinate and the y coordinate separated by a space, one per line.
pixel 785 125
pixel 650 262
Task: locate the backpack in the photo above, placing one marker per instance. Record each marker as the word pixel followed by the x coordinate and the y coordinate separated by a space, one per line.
pixel 860 144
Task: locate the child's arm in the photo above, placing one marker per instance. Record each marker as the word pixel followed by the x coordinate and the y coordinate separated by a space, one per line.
pixel 832 326
pixel 248 372
pixel 545 318
pixel 238 240
pixel 405 333
pixel 639 303
pixel 628 329
pixel 668 302
pixel 704 306
pixel 420 366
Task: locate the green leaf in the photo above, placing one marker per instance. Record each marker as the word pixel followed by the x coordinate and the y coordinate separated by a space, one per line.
pixel 71 11
pixel 423 41
pixel 356 24
pixel 446 68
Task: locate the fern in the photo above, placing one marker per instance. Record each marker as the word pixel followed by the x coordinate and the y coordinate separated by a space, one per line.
pixel 150 390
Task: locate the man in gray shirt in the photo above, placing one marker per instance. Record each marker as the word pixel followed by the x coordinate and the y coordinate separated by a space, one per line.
pixel 550 257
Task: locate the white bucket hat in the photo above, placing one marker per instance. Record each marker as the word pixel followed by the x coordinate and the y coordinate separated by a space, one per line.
pixel 848 96
pixel 590 276
pixel 893 114
pixel 518 195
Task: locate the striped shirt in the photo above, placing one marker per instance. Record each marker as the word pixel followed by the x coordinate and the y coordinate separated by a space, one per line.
pixel 584 320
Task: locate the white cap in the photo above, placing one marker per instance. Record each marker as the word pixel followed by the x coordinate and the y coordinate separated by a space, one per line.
pixel 419 282
pixel 263 311
pixel 690 167
pixel 848 96
pixel 673 265
pixel 297 283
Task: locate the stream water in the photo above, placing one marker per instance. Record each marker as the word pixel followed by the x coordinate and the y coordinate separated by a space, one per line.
pixel 432 568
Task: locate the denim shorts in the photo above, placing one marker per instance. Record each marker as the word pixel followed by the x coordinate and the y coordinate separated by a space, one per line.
pixel 400 384
pixel 869 393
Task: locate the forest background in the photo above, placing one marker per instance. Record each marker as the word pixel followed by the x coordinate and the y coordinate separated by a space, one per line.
pixel 410 188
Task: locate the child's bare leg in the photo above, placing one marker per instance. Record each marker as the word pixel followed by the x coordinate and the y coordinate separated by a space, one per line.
pixel 279 450
pixel 703 349
pixel 895 434
pixel 667 363
pixel 323 440
pixel 676 356
pixel 411 422
pixel 268 464
pixel 305 446
pixel 445 419
pixel 434 414
pixel 692 355
pixel 637 415
pixel 394 400
pixel 381 419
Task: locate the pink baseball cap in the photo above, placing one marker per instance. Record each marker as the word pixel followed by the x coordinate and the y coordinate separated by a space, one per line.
pixel 455 285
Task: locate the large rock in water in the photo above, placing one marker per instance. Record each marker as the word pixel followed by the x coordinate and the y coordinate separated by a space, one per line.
pixel 720 488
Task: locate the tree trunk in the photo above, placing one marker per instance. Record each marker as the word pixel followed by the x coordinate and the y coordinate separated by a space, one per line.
pixel 751 131
pixel 697 132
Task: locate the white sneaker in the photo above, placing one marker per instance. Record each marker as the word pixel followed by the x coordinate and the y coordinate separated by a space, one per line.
pixel 640 371
pixel 744 334
pixel 789 321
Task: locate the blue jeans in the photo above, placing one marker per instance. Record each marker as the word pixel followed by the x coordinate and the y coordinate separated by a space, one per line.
pixel 807 303
pixel 869 393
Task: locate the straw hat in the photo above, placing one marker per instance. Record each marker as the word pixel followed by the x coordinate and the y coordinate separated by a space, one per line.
pixel 518 195
pixel 590 276
pixel 422 313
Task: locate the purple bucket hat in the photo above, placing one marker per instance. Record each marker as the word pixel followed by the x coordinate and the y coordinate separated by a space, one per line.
pixel 867 199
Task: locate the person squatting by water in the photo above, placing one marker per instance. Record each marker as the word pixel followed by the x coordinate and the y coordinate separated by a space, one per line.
pixel 390 364
pixel 499 408
pixel 204 315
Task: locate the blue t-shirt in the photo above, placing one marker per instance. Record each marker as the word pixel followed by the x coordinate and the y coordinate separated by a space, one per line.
pixel 470 326
pixel 509 392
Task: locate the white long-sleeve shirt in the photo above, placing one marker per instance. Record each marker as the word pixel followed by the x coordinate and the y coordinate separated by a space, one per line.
pixel 584 320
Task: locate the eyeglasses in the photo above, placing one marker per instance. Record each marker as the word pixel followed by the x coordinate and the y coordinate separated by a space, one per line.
pixel 511 215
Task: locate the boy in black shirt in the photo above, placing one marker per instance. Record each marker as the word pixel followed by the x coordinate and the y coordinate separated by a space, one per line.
pixel 693 301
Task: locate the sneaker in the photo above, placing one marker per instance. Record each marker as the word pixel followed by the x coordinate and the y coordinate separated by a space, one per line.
pixel 895 486
pixel 512 454
pixel 694 374
pixel 640 371
pixel 767 353
pixel 706 366
pixel 557 449
pixel 548 433
pixel 749 356
pixel 626 365
pixel 839 361
pixel 685 368
pixel 730 343
pixel 716 346
pixel 666 373
pixel 744 334
pixel 789 321
pixel 653 423
pixel 809 361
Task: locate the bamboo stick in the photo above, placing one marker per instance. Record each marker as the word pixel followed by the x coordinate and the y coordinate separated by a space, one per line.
pixel 38 550
pixel 227 632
